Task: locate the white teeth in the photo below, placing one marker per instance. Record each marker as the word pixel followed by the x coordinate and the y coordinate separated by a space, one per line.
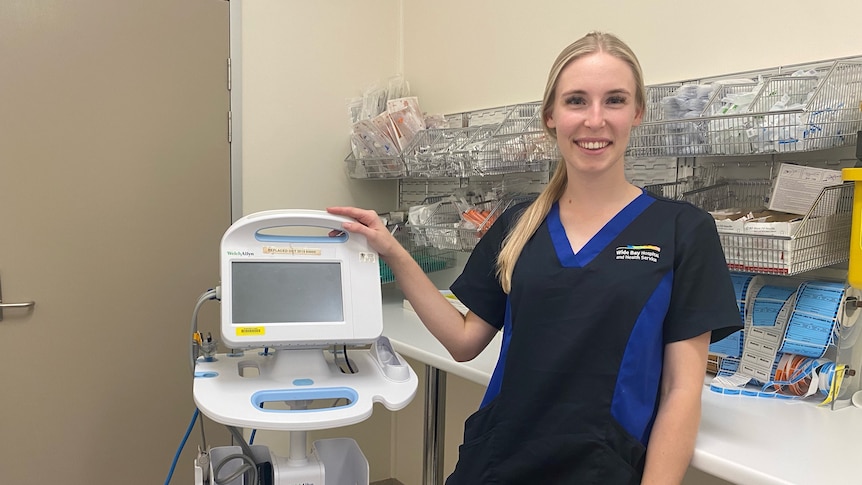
pixel 593 145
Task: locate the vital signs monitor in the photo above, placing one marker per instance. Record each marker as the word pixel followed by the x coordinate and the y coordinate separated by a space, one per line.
pixel 297 290
pixel 307 298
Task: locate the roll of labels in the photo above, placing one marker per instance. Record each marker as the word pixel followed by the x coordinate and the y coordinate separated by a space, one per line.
pixel 792 336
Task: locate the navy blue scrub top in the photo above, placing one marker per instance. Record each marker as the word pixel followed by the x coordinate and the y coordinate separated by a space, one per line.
pixel 575 391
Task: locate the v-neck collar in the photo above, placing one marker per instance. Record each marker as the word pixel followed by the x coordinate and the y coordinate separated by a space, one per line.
pixel 600 240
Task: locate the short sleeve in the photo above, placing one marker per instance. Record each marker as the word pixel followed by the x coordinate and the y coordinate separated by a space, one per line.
pixel 702 298
pixel 478 287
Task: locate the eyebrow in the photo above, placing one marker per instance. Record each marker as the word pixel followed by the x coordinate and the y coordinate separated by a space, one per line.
pixel 582 92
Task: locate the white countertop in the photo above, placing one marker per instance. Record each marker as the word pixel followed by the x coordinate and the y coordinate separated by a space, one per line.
pixel 745 440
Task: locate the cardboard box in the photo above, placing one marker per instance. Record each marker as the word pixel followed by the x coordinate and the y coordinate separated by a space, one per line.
pixel 731 222
pixel 772 223
pixel 761 223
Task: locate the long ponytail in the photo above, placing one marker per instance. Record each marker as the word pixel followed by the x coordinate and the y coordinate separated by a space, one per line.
pixel 527 225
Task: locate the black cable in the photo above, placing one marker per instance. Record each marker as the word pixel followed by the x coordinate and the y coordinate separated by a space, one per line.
pixel 347 360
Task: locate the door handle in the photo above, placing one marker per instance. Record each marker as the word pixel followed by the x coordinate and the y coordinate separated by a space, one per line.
pixel 26 304
pixel 18 305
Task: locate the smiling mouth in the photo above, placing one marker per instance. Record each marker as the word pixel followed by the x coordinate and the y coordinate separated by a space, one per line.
pixel 593 145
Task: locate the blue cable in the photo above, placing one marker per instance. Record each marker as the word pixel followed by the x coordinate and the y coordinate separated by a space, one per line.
pixel 182 445
pixel 254 431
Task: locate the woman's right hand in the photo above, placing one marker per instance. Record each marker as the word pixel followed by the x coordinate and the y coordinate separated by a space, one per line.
pixel 464 338
pixel 369 225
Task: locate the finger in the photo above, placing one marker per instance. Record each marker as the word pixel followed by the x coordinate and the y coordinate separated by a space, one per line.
pixel 341 211
pixel 352 212
pixel 366 217
pixel 353 226
pixel 347 211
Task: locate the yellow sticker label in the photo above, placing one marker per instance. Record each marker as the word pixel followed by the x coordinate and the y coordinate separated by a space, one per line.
pixel 250 331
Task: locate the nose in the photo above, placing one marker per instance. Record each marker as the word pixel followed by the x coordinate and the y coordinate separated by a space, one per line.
pixel 595 116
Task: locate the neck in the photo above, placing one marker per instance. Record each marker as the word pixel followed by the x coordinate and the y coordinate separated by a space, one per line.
pixel 598 193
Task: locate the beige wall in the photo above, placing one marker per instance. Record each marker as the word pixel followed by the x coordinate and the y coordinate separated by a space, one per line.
pixel 483 53
pixel 459 56
pixel 300 63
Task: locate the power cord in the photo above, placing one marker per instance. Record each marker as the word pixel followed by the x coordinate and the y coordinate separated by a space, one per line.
pixel 347 361
pixel 211 294
pixel 207 295
pixel 247 466
pixel 180 448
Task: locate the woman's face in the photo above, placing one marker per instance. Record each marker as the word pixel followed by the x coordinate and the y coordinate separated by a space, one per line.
pixel 593 112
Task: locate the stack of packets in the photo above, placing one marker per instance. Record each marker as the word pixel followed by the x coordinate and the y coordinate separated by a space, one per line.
pixel 686 102
pixel 734 220
pixel 387 133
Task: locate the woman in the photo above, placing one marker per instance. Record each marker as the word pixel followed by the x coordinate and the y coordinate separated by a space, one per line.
pixel 609 297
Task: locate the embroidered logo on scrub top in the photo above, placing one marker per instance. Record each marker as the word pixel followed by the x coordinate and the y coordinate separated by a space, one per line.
pixel 646 252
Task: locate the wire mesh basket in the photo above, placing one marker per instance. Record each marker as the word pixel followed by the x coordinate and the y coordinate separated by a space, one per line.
pixel 520 118
pixel 483 117
pixel 818 239
pixel 814 110
pixel 429 258
pixel 445 152
pixel 451 227
pixel 660 134
pixel 651 171
pixel 375 168
pixel 499 141
pixel 446 228
pixel 749 194
pixel 519 152
pixel 675 190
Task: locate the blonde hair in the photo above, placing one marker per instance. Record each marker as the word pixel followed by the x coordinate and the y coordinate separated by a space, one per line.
pixel 533 215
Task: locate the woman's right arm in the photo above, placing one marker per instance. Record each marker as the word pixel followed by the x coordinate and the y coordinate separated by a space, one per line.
pixel 463 336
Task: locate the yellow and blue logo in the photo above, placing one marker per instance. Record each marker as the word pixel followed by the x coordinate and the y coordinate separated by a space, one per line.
pixel 639 252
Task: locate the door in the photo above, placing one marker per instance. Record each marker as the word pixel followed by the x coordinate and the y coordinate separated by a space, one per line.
pixel 114 193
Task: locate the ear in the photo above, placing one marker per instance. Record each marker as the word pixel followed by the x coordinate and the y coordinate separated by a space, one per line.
pixel 549 121
pixel 639 117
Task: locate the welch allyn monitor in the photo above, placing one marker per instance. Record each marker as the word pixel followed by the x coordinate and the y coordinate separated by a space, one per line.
pixel 288 290
pixel 300 295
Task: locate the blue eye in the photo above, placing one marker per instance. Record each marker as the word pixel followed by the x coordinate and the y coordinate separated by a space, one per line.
pixel 617 100
pixel 575 100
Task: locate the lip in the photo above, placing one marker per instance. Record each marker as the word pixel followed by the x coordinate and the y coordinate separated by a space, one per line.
pixel 592 145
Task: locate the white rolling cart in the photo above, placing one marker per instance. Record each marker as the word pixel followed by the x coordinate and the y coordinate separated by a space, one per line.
pixel 292 306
